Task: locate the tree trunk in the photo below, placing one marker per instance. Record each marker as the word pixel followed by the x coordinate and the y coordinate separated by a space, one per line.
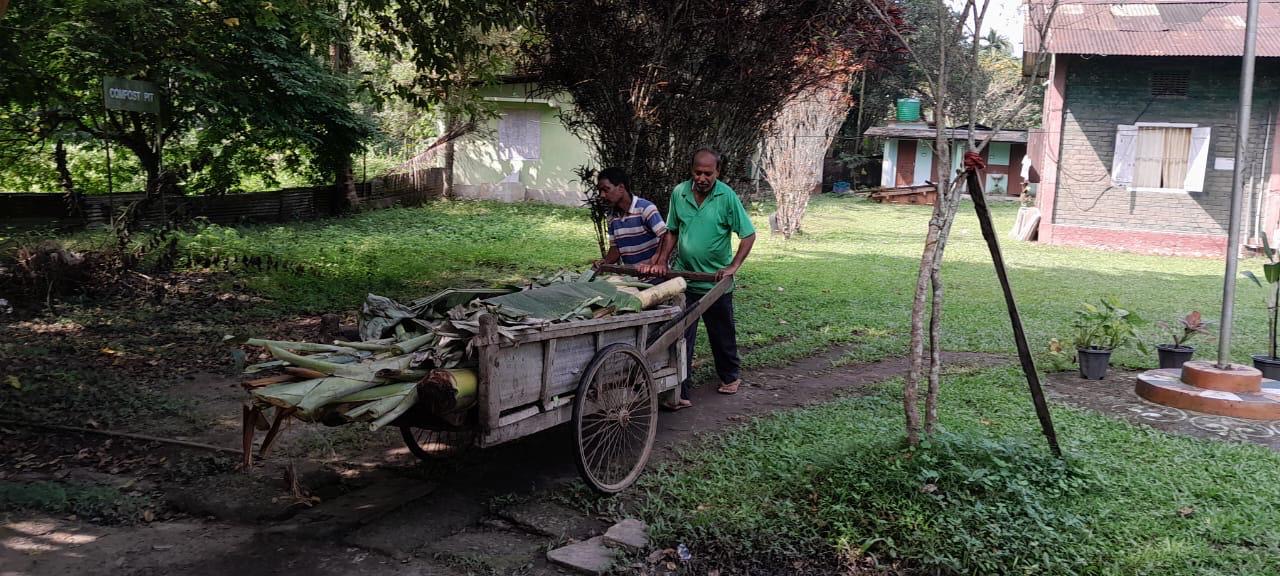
pixel 929 259
pixel 449 151
pixel 344 171
pixel 951 204
pixel 151 164
pixel 72 198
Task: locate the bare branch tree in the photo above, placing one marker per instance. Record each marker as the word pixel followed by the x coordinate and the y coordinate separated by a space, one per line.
pixel 669 76
pixel 929 282
pixel 795 147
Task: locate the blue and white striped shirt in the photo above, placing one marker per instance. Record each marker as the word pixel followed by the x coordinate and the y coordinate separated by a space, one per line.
pixel 637 232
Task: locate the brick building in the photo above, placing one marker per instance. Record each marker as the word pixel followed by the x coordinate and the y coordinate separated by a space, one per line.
pixel 1137 146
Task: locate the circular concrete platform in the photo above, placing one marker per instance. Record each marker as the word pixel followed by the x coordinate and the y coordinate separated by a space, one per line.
pixel 1233 378
pixel 1165 387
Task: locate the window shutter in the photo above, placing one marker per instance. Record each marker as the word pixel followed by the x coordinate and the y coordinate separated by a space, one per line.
pixel 1122 159
pixel 1197 160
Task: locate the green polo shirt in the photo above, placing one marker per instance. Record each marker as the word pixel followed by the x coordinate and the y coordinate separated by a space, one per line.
pixel 704 241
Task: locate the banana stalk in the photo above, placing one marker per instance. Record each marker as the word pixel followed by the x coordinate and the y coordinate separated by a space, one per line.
pixel 300 346
pixel 452 390
pixel 662 292
pixel 382 404
pixel 366 372
pixel 370 346
pixel 413 344
pixel 309 395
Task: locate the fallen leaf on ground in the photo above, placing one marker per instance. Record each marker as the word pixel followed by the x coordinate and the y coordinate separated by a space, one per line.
pixel 13 382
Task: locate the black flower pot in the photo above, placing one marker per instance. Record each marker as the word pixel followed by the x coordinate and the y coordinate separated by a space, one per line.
pixel 1093 362
pixel 1269 366
pixel 1174 356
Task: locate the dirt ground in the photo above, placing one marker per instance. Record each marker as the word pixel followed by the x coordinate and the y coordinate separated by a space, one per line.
pixel 369 507
pixel 337 501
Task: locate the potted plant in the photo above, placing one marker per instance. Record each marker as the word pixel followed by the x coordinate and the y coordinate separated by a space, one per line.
pixel 1180 332
pixel 1099 331
pixel 1269 364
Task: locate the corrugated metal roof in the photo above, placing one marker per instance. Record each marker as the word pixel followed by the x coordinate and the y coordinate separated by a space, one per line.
pixel 1152 28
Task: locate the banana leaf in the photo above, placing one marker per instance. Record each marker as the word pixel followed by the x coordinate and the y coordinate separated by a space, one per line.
pixel 380 315
pixel 565 301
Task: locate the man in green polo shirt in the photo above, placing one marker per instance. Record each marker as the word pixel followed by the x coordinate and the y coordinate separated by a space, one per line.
pixel 704 213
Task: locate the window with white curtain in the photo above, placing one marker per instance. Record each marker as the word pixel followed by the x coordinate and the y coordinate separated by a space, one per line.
pixel 1160 157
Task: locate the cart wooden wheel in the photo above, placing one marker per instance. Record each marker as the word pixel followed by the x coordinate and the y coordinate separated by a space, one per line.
pixel 615 418
pixel 432 445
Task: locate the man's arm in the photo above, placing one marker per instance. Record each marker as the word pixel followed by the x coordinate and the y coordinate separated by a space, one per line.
pixel 740 221
pixel 611 257
pixel 658 264
pixel 744 249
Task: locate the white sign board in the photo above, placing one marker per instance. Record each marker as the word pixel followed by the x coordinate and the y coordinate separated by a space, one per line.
pixel 1224 163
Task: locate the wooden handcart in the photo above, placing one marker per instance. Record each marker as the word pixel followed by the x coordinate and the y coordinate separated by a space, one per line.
pixel 603 376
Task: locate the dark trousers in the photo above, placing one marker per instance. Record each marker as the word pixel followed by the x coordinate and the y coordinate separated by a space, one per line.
pixel 723 334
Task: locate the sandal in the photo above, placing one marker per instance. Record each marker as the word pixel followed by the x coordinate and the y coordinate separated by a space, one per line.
pixel 730 388
pixel 676 406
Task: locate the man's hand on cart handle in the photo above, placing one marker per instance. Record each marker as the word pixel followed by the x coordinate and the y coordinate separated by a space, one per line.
pixel 726 272
pixel 651 271
pixel 659 269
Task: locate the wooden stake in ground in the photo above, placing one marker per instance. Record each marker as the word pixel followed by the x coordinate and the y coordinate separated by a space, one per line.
pixel 1019 336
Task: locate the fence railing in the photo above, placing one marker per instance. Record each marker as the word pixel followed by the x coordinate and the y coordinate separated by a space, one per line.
pixel 288 205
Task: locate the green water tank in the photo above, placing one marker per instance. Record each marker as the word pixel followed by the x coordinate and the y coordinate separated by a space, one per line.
pixel 908 110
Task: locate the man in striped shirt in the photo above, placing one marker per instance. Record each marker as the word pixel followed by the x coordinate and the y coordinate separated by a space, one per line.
pixel 635 226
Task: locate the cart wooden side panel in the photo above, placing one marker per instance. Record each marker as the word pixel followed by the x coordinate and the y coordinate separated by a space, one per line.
pixel 528 385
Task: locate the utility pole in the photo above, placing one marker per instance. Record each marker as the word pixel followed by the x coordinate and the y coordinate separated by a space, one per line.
pixel 1237 184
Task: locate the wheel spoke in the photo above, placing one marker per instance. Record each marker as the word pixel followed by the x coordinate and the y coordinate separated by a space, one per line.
pixel 603 428
pixel 616 416
pixel 639 401
pixel 601 447
pixel 615 450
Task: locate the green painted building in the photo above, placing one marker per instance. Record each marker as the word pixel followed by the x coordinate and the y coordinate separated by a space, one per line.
pixel 525 153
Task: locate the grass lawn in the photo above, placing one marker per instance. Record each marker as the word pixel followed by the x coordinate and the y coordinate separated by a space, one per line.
pixel 848 279
pixel 821 488
pixel 831 487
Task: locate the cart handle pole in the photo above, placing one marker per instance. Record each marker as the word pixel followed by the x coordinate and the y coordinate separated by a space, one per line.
pixel 675 328
pixel 632 271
